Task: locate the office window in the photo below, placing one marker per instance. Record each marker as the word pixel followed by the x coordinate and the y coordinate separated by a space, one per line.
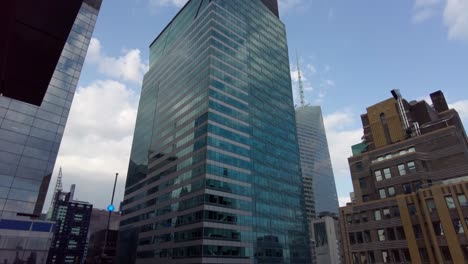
pixel 403 152
pixel 462 200
pixel 387 173
pixel 423 254
pixel 382 194
pixel 438 229
pixel 417 231
pixel 400 233
pixel 412 209
pixel 352 239
pixel 406 254
pixel 363 183
pixel 446 253
pixel 355 258
pixel 381 234
pixel 391 191
pixel 458 226
pixel 430 205
pixel 395 211
pixel 396 256
pixel 406 188
pixel 365 198
pixel 377 215
pixel 450 202
pixel 388 156
pixel 385 256
pixel 367 236
pixel 349 219
pixel 390 234
pixel 412 149
pixel 378 175
pixel 359 238
pixel 386 213
pixel 364 217
pixel 402 169
pixel 371 256
pixel 411 166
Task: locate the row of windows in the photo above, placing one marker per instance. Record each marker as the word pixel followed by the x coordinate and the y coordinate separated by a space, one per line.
pixel 388 256
pixel 385 213
pixel 393 155
pixel 403 169
pixel 383 234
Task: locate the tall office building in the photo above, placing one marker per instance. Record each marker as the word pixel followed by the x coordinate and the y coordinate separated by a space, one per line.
pixel 317 173
pixel 410 179
pixel 70 241
pixel 214 173
pixel 41 64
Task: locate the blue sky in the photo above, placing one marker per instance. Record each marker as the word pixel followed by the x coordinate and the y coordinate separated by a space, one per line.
pixel 352 53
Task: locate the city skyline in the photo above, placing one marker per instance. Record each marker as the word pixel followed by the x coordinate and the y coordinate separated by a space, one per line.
pixel 115 67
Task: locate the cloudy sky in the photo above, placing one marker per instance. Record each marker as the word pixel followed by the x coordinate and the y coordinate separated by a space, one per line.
pixel 352 54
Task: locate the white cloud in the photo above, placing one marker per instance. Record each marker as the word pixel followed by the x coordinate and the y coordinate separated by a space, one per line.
pixel 462 109
pixel 344 200
pixel 128 67
pixel 311 68
pixel 176 3
pixel 97 140
pixel 286 6
pixel 342 133
pixel 422 15
pixel 456 19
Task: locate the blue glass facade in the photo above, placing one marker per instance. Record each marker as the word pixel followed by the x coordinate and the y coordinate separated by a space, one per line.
pixel 30 135
pixel 214 173
pixel 319 182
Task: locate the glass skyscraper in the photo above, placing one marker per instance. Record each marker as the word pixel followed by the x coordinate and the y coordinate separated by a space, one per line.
pixel 319 182
pixel 30 135
pixel 214 173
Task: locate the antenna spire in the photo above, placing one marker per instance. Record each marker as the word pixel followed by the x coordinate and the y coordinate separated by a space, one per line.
pixel 299 77
pixel 58 188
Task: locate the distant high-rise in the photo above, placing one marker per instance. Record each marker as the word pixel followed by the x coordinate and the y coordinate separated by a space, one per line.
pixel 214 173
pixel 410 180
pixel 317 173
pixel 72 219
pixel 42 55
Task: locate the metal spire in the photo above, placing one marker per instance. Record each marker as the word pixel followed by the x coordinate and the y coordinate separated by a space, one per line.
pixel 58 188
pixel 299 77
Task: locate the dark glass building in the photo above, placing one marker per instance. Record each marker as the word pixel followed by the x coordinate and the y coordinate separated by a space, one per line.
pixel 317 173
pixel 70 241
pixel 31 129
pixel 214 173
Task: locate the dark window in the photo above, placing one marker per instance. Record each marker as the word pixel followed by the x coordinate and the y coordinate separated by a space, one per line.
pixel 417 185
pixel 359 238
pixel 396 255
pixel 365 198
pixel 355 258
pixel 406 188
pixel 349 219
pixel 391 234
pixel 363 258
pixel 438 229
pixel 352 239
pixel 446 253
pixel 423 254
pixel 395 211
pixel 406 254
pixel 359 166
pixel 400 233
pixel 371 256
pixel 417 231
pixel 412 209
pixel 367 236
pixel 363 183
pixel 357 218
pixel 364 217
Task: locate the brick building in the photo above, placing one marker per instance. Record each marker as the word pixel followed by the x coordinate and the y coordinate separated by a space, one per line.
pixel 410 189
